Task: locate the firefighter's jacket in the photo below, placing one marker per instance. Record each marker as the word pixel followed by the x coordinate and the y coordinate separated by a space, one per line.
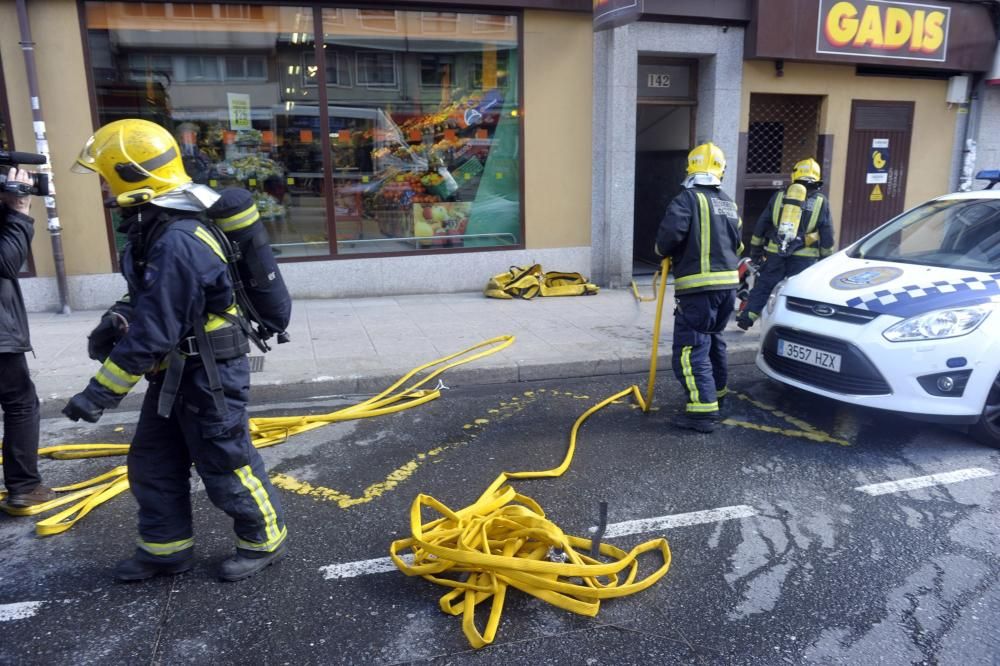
pixel 174 285
pixel 701 233
pixel 815 234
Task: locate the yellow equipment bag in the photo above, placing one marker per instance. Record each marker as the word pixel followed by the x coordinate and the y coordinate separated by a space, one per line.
pixel 529 282
pixel 556 283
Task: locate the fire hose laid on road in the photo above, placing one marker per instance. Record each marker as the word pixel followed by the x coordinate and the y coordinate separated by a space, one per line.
pixel 502 540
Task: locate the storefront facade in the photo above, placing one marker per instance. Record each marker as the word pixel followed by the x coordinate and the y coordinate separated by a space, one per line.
pixel 391 148
pixel 779 81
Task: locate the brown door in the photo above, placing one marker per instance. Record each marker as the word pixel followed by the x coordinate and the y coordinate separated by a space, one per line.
pixel 878 156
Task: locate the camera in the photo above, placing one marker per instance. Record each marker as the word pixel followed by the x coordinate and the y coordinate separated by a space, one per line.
pixel 39 181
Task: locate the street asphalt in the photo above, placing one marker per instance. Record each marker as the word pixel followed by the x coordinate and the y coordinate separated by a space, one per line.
pixel 787 546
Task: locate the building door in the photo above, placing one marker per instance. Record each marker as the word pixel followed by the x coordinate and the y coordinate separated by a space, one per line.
pixel 664 127
pixel 878 155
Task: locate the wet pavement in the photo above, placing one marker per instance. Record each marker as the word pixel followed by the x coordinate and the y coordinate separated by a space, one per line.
pixel 785 548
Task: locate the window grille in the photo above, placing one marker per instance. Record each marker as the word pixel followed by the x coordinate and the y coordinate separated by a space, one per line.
pixel 783 130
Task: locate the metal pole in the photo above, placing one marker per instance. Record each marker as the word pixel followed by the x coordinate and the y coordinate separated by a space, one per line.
pixel 42 147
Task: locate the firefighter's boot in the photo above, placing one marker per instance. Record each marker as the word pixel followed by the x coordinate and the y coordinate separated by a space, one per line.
pixel 143 566
pixel 246 563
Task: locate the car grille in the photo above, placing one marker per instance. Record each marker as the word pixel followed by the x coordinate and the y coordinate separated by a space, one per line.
pixel 857 375
pixel 836 312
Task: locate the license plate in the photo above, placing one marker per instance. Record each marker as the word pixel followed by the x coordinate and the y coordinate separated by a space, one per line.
pixel 809 355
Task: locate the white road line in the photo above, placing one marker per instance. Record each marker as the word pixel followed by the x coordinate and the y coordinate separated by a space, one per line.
pixel 19 611
pixel 362 568
pixel 678 520
pixel 385 564
pixel 925 481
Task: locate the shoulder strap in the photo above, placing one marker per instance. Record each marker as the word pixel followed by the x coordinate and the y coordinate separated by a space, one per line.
pixel 776 211
pixel 817 207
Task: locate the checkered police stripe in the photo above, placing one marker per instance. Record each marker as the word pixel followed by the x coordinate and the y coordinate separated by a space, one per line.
pixel 884 299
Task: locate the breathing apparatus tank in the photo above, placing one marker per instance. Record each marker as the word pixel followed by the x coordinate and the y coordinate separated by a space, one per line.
pixel 790 217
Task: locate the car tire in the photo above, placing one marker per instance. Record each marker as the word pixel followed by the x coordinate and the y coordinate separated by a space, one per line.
pixel 987 429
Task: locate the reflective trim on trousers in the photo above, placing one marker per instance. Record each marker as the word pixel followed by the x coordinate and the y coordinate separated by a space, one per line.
pixel 274 535
pixel 163 549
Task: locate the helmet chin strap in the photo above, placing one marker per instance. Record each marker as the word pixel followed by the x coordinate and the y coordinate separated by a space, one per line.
pixel 135 197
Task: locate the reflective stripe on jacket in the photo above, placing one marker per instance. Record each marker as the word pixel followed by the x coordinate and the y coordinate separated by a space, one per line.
pixel 701 232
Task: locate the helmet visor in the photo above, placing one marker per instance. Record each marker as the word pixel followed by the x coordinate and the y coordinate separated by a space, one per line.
pixel 86 160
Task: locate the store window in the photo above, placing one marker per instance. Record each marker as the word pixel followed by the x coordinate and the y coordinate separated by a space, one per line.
pixel 403 136
pixel 426 146
pixel 231 91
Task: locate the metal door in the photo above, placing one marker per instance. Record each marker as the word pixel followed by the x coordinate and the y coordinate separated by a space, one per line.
pixel 878 156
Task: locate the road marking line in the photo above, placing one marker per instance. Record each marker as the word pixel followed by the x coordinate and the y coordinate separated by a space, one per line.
pixel 678 520
pixel 19 611
pixel 918 482
pixel 385 564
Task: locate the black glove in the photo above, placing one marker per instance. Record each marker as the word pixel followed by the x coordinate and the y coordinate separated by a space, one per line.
pixel 113 325
pixel 82 407
pixel 757 256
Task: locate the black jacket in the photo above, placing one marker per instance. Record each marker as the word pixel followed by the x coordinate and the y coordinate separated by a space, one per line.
pixel 173 284
pixel 701 233
pixel 16 232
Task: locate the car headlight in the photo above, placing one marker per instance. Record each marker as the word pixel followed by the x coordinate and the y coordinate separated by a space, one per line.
pixel 939 324
pixel 772 300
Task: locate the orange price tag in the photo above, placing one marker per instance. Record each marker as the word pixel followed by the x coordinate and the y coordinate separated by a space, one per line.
pixel 267 136
pixel 415 135
pixel 482 134
pixel 229 136
pixel 344 136
pixel 305 136
pixel 450 135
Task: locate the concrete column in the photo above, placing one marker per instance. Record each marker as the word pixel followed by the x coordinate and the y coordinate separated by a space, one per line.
pixel 719 51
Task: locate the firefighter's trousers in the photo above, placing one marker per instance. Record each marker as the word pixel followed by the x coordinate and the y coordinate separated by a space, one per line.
pixel 699 351
pixel 163 450
pixel 775 269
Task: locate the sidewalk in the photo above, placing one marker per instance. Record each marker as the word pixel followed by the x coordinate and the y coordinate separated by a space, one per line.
pixel 361 345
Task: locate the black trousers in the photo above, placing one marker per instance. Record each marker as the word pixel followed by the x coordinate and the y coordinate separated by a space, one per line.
pixel 163 450
pixel 699 350
pixel 20 424
pixel 774 270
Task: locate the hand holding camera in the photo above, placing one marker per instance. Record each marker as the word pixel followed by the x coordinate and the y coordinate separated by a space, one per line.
pixel 16 184
pixel 13 198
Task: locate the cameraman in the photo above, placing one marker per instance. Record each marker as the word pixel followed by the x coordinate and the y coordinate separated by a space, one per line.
pixel 17 392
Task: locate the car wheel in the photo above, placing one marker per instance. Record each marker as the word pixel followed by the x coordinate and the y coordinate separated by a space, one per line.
pixel 987 430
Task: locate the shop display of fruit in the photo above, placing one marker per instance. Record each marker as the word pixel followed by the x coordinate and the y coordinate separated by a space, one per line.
pixel 253 166
pixel 268 206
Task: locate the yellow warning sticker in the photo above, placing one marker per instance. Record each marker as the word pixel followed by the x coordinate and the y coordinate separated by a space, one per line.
pixel 876 194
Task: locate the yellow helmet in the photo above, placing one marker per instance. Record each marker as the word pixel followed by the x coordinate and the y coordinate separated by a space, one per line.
pixel 806 171
pixel 707 158
pixel 139 160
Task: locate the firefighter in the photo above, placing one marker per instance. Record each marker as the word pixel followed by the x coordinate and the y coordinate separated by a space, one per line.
pixel 700 232
pixel 181 329
pixel 793 232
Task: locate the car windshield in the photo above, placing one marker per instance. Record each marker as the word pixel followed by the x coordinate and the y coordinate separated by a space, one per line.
pixel 957 233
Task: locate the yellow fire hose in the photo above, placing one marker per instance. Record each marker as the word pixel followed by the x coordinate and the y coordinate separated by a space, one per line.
pixel 264 431
pixel 504 540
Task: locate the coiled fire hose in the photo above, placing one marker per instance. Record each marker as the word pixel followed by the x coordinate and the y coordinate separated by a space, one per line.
pixel 504 540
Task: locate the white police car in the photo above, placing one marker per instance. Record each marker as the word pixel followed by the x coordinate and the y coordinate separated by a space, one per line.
pixel 906 319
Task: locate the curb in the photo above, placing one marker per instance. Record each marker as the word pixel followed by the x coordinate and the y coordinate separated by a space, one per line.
pixel 477 373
